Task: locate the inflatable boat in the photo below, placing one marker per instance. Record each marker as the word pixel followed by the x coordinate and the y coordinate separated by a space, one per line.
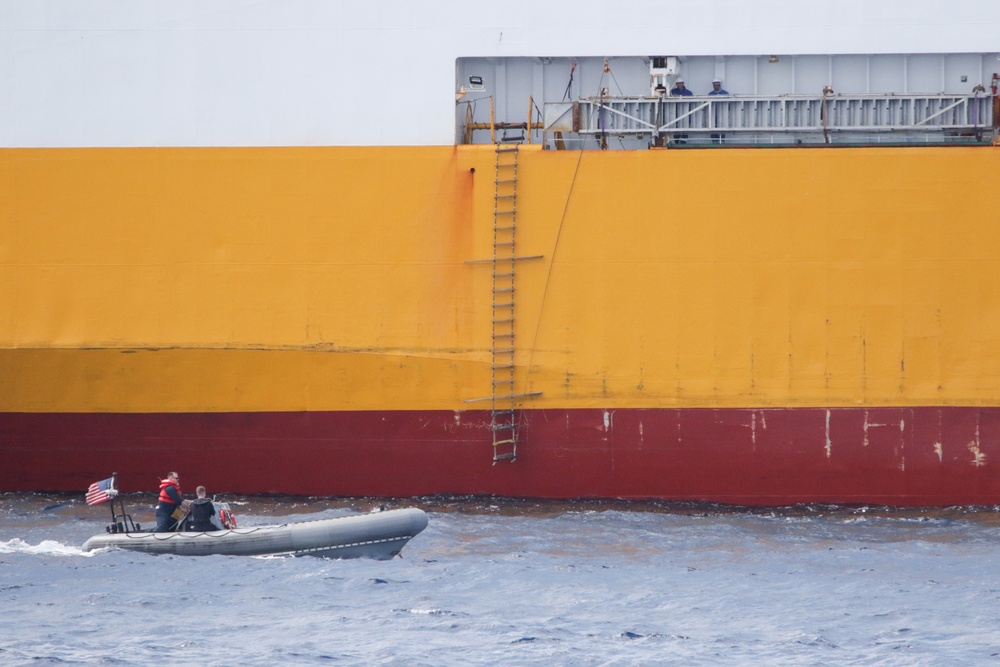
pixel 380 535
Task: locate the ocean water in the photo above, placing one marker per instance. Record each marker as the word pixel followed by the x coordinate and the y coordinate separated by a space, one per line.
pixel 499 582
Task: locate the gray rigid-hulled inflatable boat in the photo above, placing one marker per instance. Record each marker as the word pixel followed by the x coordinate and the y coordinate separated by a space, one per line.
pixel 379 534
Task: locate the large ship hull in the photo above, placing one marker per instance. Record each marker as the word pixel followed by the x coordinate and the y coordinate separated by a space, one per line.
pixel 767 457
pixel 744 326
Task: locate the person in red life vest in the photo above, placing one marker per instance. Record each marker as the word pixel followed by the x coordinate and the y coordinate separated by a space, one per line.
pixel 171 508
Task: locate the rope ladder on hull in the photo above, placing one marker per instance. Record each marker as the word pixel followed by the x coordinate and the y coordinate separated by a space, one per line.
pixel 504 417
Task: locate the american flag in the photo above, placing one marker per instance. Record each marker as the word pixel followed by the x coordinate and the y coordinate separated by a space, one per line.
pixel 100 492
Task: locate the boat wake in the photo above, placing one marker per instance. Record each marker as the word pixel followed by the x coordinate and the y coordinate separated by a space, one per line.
pixel 44 548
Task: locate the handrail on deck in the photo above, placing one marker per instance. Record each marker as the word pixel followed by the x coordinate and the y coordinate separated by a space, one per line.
pixel 778 119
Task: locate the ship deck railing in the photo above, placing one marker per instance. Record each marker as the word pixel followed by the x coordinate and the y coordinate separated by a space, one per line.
pixel 762 120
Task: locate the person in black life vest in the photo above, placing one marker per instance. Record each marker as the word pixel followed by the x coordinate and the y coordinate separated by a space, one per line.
pixel 170 502
pixel 202 511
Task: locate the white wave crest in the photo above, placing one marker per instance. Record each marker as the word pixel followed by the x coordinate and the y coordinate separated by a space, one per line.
pixel 44 548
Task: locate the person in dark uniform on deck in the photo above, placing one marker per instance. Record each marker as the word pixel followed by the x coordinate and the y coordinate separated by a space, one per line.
pixel 169 502
pixel 680 89
pixel 717 89
pixel 202 511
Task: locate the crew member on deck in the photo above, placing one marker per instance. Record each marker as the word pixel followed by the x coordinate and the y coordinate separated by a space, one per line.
pixel 717 88
pixel 202 510
pixel 167 514
pixel 680 89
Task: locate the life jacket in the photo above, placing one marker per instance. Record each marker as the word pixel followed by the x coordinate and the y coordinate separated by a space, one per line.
pixel 200 518
pixel 164 483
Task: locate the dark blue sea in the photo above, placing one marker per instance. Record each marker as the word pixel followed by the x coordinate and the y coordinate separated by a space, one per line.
pixel 499 582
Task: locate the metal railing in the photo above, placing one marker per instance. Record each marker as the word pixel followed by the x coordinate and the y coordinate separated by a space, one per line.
pixel 780 119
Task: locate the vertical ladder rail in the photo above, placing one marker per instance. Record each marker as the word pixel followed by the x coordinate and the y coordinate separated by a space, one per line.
pixel 503 418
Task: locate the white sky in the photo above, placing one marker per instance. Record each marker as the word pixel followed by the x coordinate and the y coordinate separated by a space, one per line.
pixel 305 72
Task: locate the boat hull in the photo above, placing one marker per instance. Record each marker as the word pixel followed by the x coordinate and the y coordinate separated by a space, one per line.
pixel 379 535
pixel 915 456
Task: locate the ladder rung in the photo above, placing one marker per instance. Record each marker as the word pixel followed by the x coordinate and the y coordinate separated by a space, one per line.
pixel 504 427
pixel 509 228
pixel 500 290
pixel 505 197
pixel 503 381
pixel 530 394
pixel 505 180
pixel 500 413
pixel 511 212
pixel 504 367
pixel 509 334
pixel 503 457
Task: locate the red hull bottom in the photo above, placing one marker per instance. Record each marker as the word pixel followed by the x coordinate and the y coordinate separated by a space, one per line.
pixel 916 456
